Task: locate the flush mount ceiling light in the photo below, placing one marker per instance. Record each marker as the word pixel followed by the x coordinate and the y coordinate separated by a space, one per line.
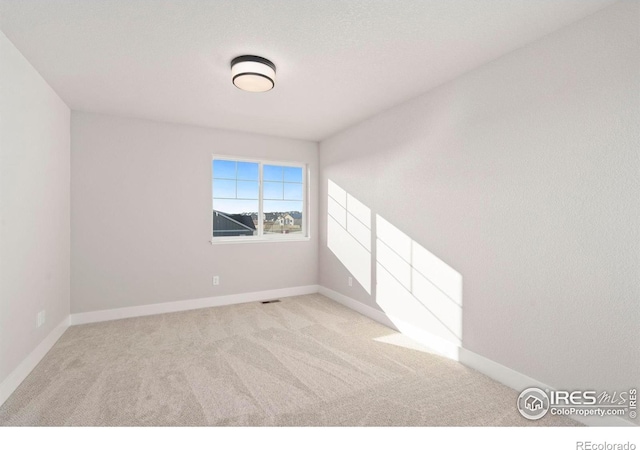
pixel 253 73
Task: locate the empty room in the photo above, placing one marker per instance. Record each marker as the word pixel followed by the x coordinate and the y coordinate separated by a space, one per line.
pixel 342 214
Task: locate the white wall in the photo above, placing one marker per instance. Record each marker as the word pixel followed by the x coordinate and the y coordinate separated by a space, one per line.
pixel 523 177
pixel 141 215
pixel 34 208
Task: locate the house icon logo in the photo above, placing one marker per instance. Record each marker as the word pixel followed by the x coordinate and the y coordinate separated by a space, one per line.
pixel 533 403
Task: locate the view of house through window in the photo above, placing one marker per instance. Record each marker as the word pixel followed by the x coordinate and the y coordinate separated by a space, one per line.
pixel 255 198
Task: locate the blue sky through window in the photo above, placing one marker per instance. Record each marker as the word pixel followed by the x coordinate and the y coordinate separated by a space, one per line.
pixel 235 187
pixel 248 171
pixel 224 169
pixel 272 173
pixel 293 174
pixel 293 191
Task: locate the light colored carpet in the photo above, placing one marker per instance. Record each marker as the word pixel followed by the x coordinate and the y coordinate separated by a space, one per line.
pixel 304 361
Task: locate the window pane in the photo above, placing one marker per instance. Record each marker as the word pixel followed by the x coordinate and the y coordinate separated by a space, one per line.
pixel 224 169
pixel 272 173
pixel 234 218
pixel 272 191
pixel 224 188
pixel 235 206
pixel 282 217
pixel 247 171
pixel 248 189
pixel 292 191
pixel 293 174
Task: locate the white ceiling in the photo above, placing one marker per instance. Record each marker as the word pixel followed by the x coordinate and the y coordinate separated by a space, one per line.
pixel 338 61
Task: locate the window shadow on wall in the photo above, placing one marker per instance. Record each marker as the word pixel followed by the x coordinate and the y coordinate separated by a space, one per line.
pixel 416 287
pixel 419 292
pixel 349 233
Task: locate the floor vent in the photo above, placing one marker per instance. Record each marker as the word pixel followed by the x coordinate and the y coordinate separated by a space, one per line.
pixel 270 301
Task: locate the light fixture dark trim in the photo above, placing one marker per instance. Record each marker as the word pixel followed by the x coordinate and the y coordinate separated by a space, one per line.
pixel 233 80
pixel 253 58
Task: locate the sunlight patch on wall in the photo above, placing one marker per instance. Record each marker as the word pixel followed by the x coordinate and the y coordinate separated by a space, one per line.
pixel 416 286
pixel 349 233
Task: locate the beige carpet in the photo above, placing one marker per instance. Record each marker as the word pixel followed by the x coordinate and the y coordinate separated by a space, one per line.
pixel 304 361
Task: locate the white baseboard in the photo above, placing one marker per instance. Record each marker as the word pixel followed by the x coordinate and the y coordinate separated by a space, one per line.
pixel 186 305
pixel 11 383
pixel 509 377
pixel 360 307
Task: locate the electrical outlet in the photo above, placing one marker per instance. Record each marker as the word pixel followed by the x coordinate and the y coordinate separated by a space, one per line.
pixel 350 281
pixel 216 280
pixel 40 318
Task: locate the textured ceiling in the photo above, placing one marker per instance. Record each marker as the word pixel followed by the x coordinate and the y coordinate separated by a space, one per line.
pixel 338 62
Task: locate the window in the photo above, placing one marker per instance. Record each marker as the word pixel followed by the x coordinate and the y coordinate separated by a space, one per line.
pixel 258 200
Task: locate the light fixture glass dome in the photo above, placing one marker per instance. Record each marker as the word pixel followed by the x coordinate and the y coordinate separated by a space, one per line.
pixel 253 73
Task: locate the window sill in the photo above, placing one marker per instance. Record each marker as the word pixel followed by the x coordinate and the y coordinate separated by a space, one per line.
pixel 259 240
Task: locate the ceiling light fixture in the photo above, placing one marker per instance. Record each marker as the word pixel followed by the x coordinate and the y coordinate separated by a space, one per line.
pixel 253 73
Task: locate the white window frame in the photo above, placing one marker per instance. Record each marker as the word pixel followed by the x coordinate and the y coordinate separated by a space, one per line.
pixel 261 237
